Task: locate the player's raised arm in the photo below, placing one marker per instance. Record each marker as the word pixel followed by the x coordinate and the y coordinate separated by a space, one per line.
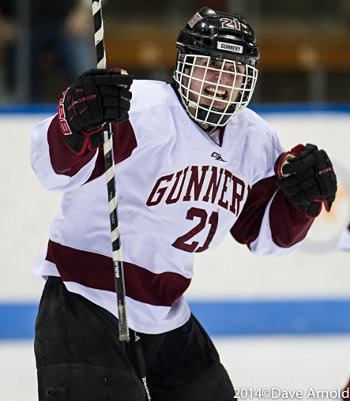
pixel 64 147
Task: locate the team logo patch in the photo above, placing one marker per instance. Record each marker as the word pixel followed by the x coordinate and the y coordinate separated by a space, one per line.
pixel 230 47
pixel 217 156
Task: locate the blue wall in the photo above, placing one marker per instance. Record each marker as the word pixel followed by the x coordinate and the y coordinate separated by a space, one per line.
pixel 223 318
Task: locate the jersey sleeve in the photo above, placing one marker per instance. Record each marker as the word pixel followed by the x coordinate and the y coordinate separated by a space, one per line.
pixel 60 169
pixel 56 166
pixel 269 224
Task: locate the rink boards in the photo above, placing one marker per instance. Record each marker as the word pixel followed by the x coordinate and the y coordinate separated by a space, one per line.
pixel 233 292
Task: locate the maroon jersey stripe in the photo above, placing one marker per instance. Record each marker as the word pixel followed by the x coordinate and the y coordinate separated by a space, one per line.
pixel 96 271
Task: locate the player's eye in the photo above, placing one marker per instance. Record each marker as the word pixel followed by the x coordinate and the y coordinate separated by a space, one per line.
pixel 240 68
pixel 214 63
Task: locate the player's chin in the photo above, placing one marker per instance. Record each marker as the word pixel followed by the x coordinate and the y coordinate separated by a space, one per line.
pixel 220 105
pixel 217 104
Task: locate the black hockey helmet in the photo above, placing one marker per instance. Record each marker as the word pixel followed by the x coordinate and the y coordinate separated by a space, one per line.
pixel 214 45
pixel 219 35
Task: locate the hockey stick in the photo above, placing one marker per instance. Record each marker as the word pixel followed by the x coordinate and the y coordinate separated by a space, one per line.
pixel 110 176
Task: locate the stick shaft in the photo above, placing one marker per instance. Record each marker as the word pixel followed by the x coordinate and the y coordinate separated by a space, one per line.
pixel 99 33
pixel 111 187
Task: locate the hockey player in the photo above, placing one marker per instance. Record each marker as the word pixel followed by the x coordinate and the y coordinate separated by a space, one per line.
pixel 193 164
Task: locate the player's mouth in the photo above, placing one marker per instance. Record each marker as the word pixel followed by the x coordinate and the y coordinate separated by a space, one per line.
pixel 215 93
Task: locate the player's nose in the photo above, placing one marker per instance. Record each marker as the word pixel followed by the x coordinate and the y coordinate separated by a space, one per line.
pixel 226 78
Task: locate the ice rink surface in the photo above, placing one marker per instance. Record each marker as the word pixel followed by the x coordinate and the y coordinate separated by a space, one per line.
pixel 271 367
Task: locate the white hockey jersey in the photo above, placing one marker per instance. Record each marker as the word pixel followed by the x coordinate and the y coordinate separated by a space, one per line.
pixel 180 192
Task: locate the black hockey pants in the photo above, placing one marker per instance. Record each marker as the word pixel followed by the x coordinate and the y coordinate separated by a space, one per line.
pixel 79 356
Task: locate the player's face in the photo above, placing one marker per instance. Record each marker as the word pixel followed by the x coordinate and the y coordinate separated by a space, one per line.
pixel 215 83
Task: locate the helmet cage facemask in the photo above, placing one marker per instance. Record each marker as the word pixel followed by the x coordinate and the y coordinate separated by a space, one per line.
pixel 213 103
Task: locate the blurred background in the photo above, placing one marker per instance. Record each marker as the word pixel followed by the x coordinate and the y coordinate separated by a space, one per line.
pixel 304 44
pixel 279 323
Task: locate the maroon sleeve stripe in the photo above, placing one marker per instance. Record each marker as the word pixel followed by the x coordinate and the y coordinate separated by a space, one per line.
pixel 124 142
pixel 64 161
pixel 247 227
pixel 96 271
pixel 288 224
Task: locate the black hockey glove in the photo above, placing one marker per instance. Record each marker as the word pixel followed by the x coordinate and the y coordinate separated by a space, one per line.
pixel 307 177
pixel 96 97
